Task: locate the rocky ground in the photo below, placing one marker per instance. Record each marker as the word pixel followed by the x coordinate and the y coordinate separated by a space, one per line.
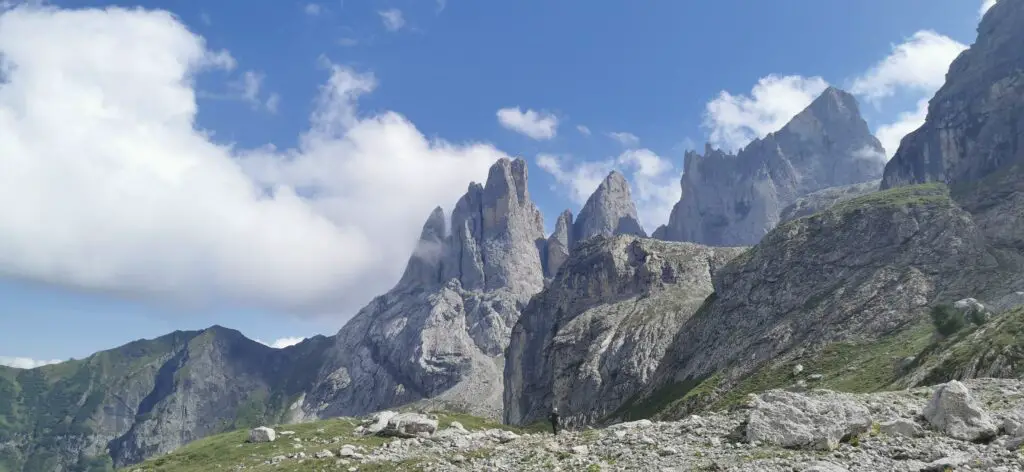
pixel 975 425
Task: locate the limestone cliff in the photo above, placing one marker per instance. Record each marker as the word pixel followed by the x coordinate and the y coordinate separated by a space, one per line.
pixel 974 126
pixel 857 271
pixel 595 336
pixel 558 244
pixel 441 332
pixel 734 200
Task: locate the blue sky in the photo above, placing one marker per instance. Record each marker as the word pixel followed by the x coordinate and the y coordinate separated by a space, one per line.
pixel 139 136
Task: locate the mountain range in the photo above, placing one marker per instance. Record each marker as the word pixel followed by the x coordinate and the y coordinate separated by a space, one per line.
pixel 803 248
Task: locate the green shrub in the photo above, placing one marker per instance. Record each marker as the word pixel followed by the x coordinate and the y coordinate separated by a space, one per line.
pixel 978 317
pixel 947 320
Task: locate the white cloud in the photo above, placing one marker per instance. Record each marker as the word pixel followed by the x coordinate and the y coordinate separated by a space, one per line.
pixel 583 130
pixel 985 5
pixel 537 125
pixel 272 102
pixel 282 342
pixel 109 186
pixel 25 362
pixel 392 18
pixel 891 134
pixel 312 9
pixel 653 179
pixel 919 64
pixel 735 120
pixel 625 139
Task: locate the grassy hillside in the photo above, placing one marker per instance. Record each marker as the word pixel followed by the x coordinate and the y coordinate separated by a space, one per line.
pixel 230 450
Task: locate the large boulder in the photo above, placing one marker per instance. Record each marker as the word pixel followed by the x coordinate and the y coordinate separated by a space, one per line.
pixel 953 411
pixel 262 434
pixel 792 420
pixel 409 425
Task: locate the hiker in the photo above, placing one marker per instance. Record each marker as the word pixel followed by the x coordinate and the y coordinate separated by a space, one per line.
pixel 553 418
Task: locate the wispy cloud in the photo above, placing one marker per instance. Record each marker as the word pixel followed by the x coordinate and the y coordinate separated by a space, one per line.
pixel 282 343
pixel 583 130
pixel 392 18
pixel 625 139
pixel 312 9
pixel 537 125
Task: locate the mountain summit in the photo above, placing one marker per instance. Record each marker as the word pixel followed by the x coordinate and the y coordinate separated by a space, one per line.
pixel 732 200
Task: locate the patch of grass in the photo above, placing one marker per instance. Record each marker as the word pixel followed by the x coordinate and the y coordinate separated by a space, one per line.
pixel 1000 340
pixel 845 366
pixel 899 197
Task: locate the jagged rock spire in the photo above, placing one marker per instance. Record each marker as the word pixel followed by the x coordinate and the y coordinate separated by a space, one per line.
pixel 609 211
pixel 558 244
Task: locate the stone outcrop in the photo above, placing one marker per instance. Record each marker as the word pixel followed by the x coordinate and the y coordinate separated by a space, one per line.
pixel 440 334
pixel 858 270
pixel 823 199
pixel 558 244
pixel 792 420
pixel 953 411
pixel 595 336
pixel 609 211
pixel 734 200
pixel 973 126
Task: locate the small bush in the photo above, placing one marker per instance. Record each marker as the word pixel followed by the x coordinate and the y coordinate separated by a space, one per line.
pixel 978 317
pixel 947 320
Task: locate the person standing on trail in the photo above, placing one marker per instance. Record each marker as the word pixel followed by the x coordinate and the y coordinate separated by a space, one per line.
pixel 553 418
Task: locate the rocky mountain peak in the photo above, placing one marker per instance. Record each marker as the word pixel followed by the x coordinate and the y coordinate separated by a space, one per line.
pixel 609 211
pixel 558 244
pixel 735 199
pixel 424 266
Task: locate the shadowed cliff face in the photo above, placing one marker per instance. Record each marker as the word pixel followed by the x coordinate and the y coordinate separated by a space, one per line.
pixel 595 336
pixel 975 122
pixel 734 200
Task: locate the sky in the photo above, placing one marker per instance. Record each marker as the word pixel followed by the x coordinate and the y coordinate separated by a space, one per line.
pixel 268 166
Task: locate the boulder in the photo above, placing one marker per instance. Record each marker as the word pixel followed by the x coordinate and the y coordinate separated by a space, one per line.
pixel 376 422
pixel 792 420
pixel 262 434
pixel 906 428
pixel 409 425
pixel 953 411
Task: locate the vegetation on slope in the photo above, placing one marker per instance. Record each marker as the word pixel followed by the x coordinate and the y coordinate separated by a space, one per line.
pixel 228 450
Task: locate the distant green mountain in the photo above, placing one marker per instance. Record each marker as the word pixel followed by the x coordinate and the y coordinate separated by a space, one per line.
pixel 147 397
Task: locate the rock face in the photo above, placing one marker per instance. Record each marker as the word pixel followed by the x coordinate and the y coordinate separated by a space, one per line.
pixel 973 127
pixel 823 199
pixel 734 200
pixel 954 411
pixel 559 244
pixel 887 256
pixel 609 211
pixel 595 336
pixel 810 422
pixel 441 332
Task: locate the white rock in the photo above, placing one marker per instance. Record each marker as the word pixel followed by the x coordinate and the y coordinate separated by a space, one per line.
pixel 408 425
pixel 823 466
pixel 797 369
pixel 376 422
pixel 631 424
pixel 953 411
pixel 262 434
pixel 581 450
pixel 323 454
pixel 906 428
pixel 792 420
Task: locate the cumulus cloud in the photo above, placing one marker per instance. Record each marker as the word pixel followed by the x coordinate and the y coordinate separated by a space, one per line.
pixel 985 5
pixel 919 64
pixel 625 139
pixel 537 125
pixel 392 18
pixel 735 120
pixel 282 342
pixel 891 134
pixel 108 185
pixel 583 130
pixel 653 180
pixel 25 362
